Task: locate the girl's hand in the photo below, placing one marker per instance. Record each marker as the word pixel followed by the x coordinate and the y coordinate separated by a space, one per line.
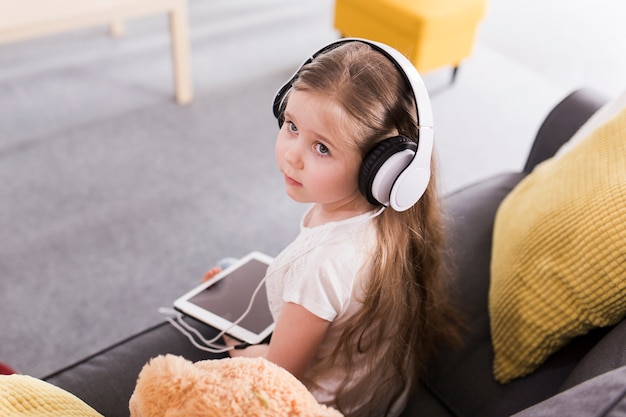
pixel 211 273
pixel 229 341
pixel 254 351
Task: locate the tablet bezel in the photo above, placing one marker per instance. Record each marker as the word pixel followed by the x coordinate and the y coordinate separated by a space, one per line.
pixel 183 304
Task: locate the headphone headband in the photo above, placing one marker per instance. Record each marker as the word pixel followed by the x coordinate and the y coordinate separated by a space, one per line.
pixel 405 185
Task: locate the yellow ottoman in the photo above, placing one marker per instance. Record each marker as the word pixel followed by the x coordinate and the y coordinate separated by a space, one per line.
pixel 431 33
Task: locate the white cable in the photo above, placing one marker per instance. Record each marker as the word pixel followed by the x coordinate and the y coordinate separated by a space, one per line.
pixel 193 341
pixel 189 331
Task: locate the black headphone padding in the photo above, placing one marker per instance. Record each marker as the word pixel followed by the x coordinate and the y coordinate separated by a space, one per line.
pixel 375 159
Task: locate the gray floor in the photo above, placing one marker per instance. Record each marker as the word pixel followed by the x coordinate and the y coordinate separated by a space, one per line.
pixel 114 200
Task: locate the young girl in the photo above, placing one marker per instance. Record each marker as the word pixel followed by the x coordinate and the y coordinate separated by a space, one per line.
pixel 359 296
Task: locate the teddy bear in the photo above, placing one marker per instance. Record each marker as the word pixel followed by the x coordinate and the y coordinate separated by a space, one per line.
pixel 171 386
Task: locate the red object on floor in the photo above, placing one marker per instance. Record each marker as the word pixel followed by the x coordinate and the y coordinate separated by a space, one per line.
pixel 5 370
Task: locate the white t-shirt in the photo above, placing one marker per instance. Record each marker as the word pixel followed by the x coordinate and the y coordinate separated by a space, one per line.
pixel 324 270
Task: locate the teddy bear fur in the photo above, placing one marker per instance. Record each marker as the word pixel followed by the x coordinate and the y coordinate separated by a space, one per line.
pixel 171 386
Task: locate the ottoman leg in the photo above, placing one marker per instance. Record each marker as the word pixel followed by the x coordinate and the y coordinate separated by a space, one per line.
pixel 455 71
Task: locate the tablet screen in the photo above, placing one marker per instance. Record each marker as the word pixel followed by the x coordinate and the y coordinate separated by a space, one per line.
pixel 222 300
pixel 229 297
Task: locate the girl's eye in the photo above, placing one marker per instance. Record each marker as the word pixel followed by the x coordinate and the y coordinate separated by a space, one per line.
pixel 322 149
pixel 292 127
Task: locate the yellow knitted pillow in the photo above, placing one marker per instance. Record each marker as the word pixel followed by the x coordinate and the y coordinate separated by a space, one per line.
pixel 558 264
pixel 22 395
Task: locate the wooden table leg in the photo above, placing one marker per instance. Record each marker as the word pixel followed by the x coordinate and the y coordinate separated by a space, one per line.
pixel 181 53
pixel 116 28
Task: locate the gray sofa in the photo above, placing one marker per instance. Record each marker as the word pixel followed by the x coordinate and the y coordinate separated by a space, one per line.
pixel 587 377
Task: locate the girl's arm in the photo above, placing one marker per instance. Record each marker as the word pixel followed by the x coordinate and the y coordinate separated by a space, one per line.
pixel 296 339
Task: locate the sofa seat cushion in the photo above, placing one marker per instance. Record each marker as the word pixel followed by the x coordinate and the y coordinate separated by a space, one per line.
pixel 559 253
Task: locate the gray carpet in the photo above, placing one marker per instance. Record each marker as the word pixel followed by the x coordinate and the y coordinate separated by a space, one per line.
pixel 104 223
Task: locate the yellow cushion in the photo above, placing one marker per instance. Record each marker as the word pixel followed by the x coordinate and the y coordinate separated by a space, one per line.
pixel 559 252
pixel 423 17
pixel 431 33
pixel 22 395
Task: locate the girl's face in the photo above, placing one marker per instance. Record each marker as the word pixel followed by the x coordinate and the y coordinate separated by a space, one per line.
pixel 318 163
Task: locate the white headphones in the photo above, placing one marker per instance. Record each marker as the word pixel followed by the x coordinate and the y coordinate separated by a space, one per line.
pixel 397 171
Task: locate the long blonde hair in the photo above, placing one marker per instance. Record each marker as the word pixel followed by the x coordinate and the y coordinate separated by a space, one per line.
pixel 406 312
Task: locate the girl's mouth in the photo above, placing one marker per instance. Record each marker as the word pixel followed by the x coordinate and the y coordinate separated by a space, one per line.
pixel 291 181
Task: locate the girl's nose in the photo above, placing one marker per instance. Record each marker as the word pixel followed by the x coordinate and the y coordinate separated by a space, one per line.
pixel 293 156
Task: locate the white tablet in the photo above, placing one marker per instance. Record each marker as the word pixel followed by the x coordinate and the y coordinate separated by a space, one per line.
pixel 222 300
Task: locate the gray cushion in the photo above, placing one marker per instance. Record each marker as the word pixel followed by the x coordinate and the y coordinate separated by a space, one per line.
pixel 604 395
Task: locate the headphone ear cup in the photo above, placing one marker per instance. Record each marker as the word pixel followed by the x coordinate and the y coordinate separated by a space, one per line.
pixel 381 167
